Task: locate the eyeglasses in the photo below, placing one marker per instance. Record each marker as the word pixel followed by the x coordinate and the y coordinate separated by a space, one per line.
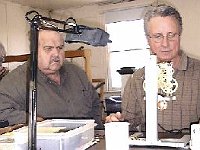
pixel 158 38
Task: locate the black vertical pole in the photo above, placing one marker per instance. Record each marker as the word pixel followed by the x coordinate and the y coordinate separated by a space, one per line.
pixel 32 122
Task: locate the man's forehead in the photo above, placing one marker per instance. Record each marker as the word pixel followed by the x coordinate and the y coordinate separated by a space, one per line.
pixel 49 33
pixel 161 23
pixel 50 37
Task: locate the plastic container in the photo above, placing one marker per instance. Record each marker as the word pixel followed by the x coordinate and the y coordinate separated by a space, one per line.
pixel 7 142
pixel 55 134
pixel 74 135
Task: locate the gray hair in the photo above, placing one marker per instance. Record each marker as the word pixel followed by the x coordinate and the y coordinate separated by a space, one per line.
pixel 2 50
pixel 2 53
pixel 162 11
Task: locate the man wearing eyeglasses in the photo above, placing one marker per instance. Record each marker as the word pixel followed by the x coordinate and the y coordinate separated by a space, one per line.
pixel 163 29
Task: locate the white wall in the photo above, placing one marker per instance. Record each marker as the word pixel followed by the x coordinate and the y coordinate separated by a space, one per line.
pixel 14 29
pixel 191 22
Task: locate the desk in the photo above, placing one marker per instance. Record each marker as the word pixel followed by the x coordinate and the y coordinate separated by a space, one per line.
pixel 101 144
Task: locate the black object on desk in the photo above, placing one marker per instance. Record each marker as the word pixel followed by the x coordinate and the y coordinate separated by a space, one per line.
pixel 4 123
pixel 113 104
pixel 126 70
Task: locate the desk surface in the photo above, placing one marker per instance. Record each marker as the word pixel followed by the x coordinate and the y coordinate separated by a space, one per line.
pixel 101 144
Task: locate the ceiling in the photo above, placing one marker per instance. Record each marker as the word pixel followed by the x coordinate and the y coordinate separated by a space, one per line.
pixel 62 4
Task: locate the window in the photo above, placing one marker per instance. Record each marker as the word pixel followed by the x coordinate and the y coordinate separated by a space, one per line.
pixel 129 48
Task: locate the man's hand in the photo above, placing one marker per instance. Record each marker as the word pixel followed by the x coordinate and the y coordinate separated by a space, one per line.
pixel 114 117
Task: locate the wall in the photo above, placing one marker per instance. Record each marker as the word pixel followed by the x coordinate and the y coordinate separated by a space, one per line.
pixel 191 32
pixel 14 29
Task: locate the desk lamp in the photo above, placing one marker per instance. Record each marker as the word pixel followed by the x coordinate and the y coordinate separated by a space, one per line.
pixel 69 26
